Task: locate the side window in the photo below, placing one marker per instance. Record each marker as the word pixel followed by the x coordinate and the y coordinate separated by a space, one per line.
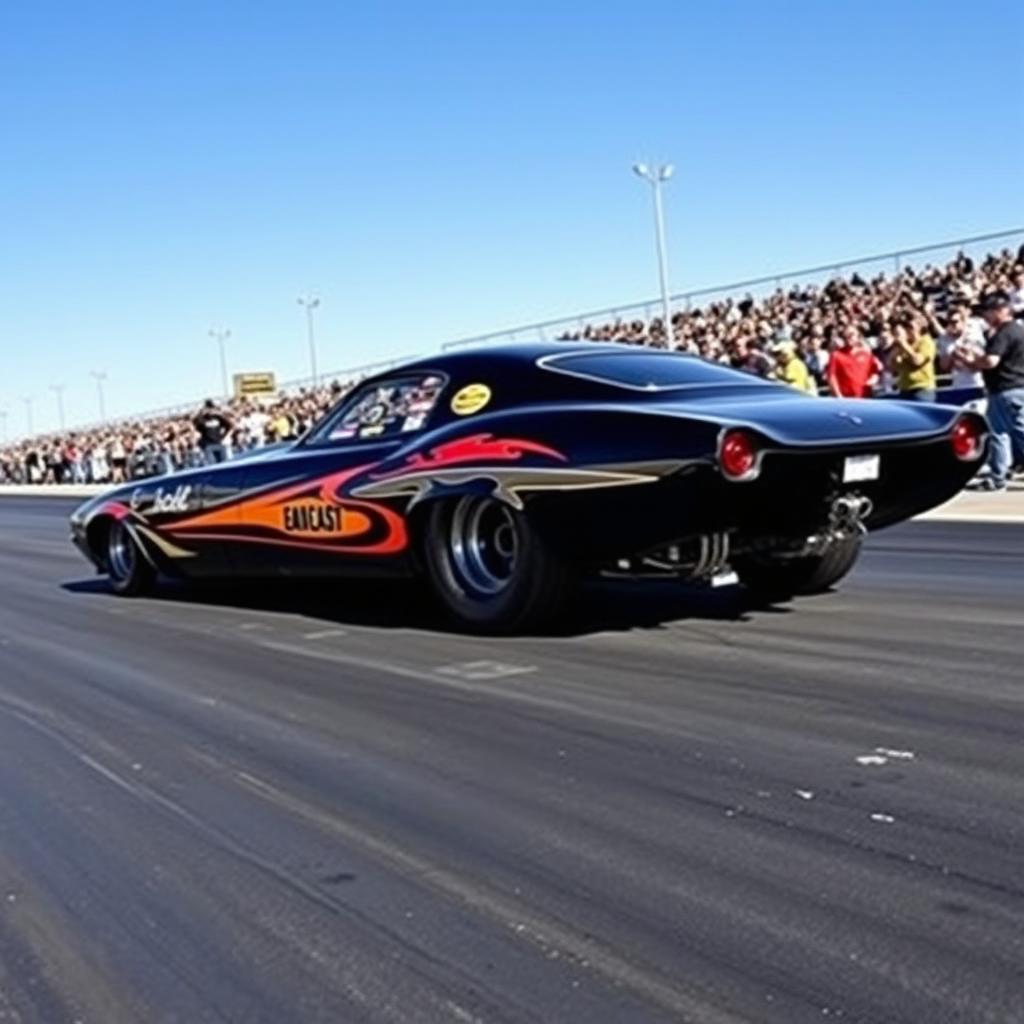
pixel 379 411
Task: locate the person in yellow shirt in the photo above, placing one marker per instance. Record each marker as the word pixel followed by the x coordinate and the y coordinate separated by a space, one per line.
pixel 281 426
pixel 912 361
pixel 791 369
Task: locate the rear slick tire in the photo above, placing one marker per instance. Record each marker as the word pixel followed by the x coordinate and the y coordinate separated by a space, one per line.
pixel 779 578
pixel 129 571
pixel 490 568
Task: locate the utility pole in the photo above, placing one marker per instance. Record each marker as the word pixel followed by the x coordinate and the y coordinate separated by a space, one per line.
pixel 58 390
pixel 221 335
pixel 311 302
pixel 100 376
pixel 656 177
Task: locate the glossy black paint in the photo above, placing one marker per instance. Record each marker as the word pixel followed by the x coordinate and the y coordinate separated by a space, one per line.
pixel 606 471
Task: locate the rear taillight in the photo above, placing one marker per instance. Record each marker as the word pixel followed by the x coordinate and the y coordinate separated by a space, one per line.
pixel 737 455
pixel 968 438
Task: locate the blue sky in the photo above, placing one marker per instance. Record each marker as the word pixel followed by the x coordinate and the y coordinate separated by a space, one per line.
pixel 439 170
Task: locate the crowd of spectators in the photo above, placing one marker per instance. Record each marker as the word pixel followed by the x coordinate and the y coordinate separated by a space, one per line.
pixel 851 336
pixel 140 448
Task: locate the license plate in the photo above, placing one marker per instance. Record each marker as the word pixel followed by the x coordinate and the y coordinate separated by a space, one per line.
pixel 860 467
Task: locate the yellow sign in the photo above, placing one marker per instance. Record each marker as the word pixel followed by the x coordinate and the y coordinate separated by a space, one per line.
pixel 254 385
pixel 472 398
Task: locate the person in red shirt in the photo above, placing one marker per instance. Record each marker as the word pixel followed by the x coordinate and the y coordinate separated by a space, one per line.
pixel 853 369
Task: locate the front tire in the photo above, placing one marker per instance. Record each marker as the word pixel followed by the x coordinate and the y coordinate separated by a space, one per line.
pixel 128 569
pixel 778 577
pixel 489 567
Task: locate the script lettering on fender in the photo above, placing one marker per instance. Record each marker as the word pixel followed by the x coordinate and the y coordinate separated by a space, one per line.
pixel 163 502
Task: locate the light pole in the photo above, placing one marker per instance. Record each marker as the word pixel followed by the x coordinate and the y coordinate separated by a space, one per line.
pixel 58 390
pixel 100 376
pixel 310 302
pixel 28 415
pixel 221 336
pixel 656 177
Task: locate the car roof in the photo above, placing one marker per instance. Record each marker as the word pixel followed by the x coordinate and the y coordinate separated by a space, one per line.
pixel 492 355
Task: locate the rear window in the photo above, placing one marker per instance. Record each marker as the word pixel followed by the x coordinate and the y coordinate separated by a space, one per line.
pixel 649 371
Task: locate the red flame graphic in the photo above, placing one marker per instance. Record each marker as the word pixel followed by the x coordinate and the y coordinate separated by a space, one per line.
pixel 477 448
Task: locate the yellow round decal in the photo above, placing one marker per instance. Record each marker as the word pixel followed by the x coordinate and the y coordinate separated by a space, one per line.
pixel 472 398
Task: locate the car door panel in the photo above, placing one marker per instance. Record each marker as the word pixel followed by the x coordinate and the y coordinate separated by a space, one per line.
pixel 293 520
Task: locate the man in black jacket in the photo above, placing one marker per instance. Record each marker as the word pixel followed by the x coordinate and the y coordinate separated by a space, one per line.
pixel 1003 368
pixel 213 427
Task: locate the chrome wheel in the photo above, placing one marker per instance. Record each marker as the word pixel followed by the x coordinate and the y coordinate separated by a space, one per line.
pixel 492 566
pixel 483 544
pixel 121 552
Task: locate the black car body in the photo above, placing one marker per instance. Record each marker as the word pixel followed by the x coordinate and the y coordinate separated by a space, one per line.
pixel 502 473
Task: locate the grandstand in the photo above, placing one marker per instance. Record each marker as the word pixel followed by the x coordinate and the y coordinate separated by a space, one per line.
pixel 741 324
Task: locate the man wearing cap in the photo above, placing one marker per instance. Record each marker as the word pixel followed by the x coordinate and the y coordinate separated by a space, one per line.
pixel 1002 366
pixel 790 368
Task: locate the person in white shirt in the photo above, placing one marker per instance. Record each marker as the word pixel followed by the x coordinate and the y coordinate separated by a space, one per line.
pixel 962 341
pixel 99 471
pixel 254 427
pixel 1017 293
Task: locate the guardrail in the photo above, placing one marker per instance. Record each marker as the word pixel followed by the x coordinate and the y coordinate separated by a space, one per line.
pixel 975 246
pixel 547 330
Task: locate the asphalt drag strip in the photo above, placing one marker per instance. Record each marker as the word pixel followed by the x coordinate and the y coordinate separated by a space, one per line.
pixel 319 804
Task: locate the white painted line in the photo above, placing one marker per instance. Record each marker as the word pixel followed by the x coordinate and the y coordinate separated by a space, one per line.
pixel 867 759
pixel 969 517
pixel 53 490
pixel 898 755
pixel 484 670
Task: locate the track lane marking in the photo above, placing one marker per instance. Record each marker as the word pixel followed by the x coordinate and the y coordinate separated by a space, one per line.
pixel 324 634
pixel 484 670
pixel 540 930
pixel 480 688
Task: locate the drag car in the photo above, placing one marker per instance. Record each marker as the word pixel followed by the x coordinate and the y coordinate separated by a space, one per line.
pixel 503 475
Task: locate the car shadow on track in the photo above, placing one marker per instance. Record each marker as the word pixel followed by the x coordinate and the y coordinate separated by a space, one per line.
pixel 600 606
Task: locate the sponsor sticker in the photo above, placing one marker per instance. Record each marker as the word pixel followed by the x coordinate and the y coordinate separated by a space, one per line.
pixel 313 518
pixel 470 399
